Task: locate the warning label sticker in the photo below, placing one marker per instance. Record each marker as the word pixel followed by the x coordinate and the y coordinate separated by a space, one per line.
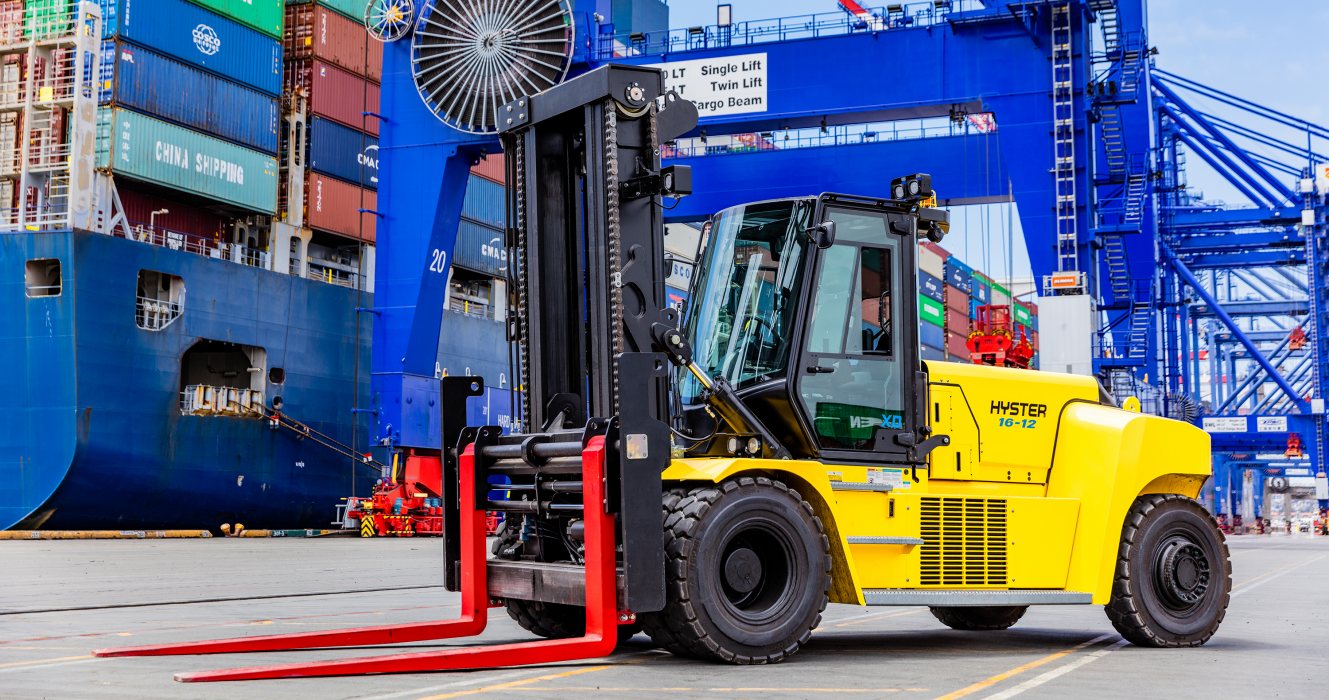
pixel 897 479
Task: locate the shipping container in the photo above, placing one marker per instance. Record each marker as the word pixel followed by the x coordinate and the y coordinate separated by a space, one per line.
pixel 354 9
pixel 155 151
pixel 930 286
pixel 957 321
pixel 484 202
pixel 979 289
pixel 11 21
pixel 480 248
pixel 931 262
pixel 333 93
pixel 931 354
pixel 1000 297
pixel 334 206
pixel 490 168
pixel 138 208
pixel 342 152
pixel 1033 341
pixel 149 82
pixel 200 38
pixel 931 312
pixel 932 336
pixel 1033 308
pixel 973 307
pixel 955 346
pixel 1022 315
pixel 957 299
pixel 958 274
pixel 264 16
pixel 314 31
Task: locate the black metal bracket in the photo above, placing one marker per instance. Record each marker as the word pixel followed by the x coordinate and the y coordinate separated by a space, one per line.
pixel 922 449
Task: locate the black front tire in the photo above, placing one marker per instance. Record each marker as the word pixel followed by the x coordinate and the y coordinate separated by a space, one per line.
pixel 979 618
pixel 748 572
pixel 1173 577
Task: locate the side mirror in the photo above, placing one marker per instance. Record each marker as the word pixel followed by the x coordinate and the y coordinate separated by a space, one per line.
pixel 823 234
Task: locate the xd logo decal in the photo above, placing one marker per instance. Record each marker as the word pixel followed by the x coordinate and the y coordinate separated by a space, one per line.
pixel 206 39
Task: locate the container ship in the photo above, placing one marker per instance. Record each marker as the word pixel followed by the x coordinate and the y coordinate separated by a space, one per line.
pixel 184 252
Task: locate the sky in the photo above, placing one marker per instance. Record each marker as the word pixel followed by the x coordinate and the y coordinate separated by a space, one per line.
pixel 1276 58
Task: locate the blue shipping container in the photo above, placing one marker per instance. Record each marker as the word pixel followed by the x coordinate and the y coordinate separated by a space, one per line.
pixel 973 307
pixel 336 150
pixel 197 37
pixel 933 354
pixel 980 291
pixel 484 202
pixel 932 335
pixel 958 274
pixel 480 248
pixel 148 82
pixel 931 287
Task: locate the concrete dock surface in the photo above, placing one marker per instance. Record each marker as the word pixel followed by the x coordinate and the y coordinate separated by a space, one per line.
pixel 59 600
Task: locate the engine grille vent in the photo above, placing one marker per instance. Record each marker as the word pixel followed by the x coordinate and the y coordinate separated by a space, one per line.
pixel 964 542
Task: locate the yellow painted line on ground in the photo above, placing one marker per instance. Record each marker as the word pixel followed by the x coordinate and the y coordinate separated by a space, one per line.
pixel 730 690
pixel 7 647
pixel 1019 669
pixel 517 684
pixel 879 617
pixel 45 661
pixel 1257 578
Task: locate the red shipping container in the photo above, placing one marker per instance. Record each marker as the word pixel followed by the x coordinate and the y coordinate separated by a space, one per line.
pixel 333 206
pixel 138 209
pixel 334 93
pixel 1033 340
pixel 491 168
pixel 957 299
pixel 955 346
pixel 313 31
pixel 937 249
pixel 957 321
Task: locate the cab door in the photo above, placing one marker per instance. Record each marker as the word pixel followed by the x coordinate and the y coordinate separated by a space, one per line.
pixel 858 361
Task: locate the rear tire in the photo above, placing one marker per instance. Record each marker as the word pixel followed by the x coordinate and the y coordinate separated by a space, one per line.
pixel 979 618
pixel 550 620
pixel 1174 576
pixel 556 621
pixel 748 572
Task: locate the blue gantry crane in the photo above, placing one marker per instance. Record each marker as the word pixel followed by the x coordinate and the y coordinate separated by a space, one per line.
pixel 1054 104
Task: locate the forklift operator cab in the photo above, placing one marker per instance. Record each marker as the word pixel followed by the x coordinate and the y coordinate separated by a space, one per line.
pixel 805 333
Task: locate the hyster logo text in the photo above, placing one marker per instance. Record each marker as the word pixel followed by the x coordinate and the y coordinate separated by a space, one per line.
pixel 206 39
pixel 1019 408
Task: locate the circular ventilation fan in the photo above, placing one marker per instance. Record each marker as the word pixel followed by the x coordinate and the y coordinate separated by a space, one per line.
pixel 471 58
pixel 389 20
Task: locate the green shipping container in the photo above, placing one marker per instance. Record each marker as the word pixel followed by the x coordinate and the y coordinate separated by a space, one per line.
pixel 1022 316
pixel 355 9
pixel 154 151
pixel 264 15
pixel 931 311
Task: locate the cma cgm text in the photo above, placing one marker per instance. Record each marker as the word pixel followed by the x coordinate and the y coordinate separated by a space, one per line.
pixel 178 156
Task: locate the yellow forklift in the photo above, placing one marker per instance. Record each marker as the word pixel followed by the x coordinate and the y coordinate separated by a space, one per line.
pixel 716 480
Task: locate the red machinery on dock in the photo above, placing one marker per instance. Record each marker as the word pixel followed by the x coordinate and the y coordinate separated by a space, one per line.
pixel 992 339
pixel 407 504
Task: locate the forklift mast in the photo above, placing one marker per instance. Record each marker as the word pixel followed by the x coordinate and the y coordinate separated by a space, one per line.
pixel 591 316
pixel 588 229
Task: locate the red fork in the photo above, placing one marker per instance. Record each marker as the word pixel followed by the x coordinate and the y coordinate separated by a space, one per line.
pixel 601 608
pixel 474 600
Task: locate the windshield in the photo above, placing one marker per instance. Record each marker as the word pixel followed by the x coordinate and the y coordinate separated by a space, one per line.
pixel 741 315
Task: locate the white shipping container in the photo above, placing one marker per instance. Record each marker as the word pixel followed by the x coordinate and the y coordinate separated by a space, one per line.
pixel 931 263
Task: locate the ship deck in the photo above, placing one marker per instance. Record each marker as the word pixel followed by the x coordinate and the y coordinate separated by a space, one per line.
pixel 108 593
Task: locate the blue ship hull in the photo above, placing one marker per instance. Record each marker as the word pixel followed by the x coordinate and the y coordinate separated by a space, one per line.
pixel 91 431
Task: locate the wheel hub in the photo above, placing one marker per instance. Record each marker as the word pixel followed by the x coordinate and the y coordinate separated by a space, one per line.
pixel 742 570
pixel 1183 572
